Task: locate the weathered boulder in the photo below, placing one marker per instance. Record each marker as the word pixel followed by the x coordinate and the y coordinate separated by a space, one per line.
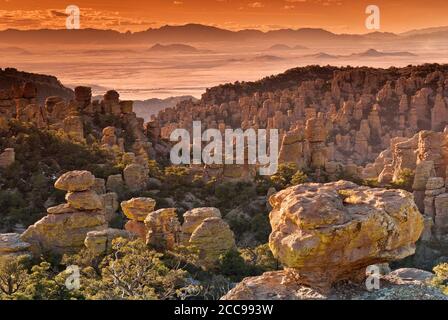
pixel 63 233
pixel 111 205
pixel 100 242
pixel 163 229
pixel 11 244
pixel 213 238
pixel 276 285
pixel 333 231
pixel 115 183
pixel 137 228
pixel 84 200
pixel 135 177
pixel 138 208
pixel 75 181
pixel 194 217
pixel 61 209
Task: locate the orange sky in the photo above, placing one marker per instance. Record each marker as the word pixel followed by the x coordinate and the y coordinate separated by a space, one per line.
pixel 340 16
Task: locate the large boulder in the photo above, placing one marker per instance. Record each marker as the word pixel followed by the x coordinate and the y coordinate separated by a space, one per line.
pixel 100 242
pixel 163 229
pixel 333 231
pixel 135 177
pixel 193 218
pixel 75 181
pixel 63 233
pixel 12 245
pixel 213 238
pixel 275 285
pixel 84 200
pixel 138 208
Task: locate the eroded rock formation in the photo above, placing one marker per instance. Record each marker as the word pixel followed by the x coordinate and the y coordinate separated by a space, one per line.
pixel 64 228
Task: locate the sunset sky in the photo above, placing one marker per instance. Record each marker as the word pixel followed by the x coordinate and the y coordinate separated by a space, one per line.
pixel 340 16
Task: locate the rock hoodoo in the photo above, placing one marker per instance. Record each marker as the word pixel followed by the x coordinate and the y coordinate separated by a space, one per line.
pixel 325 233
pixel 329 231
pixel 65 227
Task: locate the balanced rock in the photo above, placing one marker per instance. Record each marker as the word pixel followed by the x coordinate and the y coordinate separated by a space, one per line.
pixel 138 208
pixel 333 231
pixel 75 181
pixel 84 200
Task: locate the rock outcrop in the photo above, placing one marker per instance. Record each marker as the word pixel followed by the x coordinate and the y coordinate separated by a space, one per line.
pixel 213 238
pixel 163 229
pixel 12 245
pixel 65 227
pixel 333 231
pixel 286 285
pixel 138 208
pixel 100 242
pixel 193 219
pixel 326 233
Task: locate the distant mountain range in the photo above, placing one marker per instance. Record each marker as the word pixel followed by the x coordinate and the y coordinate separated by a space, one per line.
pixel 175 48
pixel 284 47
pixel 202 33
pixel 371 53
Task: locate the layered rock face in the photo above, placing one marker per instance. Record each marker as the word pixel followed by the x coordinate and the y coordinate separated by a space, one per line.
pixel 426 155
pixel 65 227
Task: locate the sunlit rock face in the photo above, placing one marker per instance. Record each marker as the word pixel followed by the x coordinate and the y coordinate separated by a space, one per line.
pixel 333 231
pixel 64 228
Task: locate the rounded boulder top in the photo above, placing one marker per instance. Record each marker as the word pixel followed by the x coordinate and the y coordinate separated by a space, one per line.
pixel 75 181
